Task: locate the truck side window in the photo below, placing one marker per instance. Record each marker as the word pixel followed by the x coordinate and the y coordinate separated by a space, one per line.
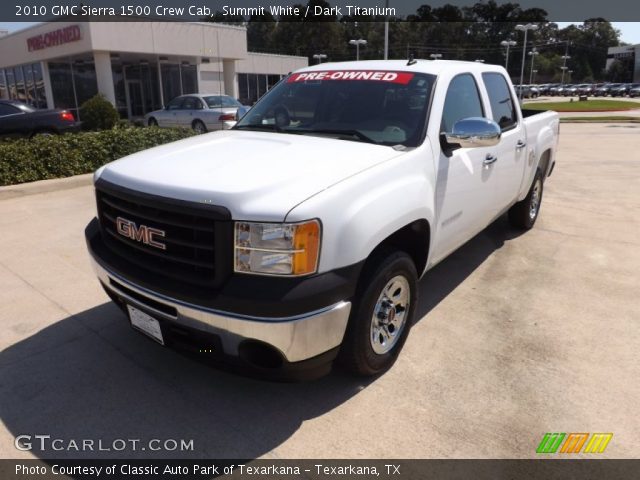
pixel 502 106
pixel 462 101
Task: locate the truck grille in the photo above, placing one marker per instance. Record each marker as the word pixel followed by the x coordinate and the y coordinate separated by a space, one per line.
pixel 194 235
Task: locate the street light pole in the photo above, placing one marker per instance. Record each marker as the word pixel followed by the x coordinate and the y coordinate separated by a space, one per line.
pixel 565 57
pixel 532 54
pixel 357 43
pixel 525 29
pixel 386 31
pixel 507 43
pixel 435 56
pixel 319 57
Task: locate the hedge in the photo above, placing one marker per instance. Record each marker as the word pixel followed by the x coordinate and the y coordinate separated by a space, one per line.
pixel 47 157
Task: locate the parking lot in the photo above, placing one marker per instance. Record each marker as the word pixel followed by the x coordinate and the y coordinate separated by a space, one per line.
pixel 520 334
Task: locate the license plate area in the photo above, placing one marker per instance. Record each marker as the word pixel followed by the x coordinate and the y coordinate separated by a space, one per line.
pixel 145 324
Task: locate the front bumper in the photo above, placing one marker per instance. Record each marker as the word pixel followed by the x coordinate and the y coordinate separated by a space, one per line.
pixel 295 338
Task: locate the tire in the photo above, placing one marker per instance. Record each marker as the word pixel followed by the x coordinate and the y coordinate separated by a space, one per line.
pixel 199 127
pixel 372 343
pixel 152 122
pixel 523 215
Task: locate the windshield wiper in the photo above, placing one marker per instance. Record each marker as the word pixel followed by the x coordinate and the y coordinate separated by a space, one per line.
pixel 349 133
pixel 259 126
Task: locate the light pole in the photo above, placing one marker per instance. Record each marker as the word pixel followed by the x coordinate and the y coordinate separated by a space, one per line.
pixel 564 66
pixel 319 57
pixel 533 53
pixel 508 44
pixel 535 72
pixel 386 30
pixel 479 60
pixel 435 56
pixel 357 43
pixel 525 29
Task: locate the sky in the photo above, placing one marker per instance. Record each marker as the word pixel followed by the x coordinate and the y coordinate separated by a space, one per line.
pixel 630 31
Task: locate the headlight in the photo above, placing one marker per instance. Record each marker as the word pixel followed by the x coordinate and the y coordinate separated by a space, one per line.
pixel 277 248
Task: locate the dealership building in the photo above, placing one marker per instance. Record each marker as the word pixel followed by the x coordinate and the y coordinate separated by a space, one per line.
pixel 137 66
pixel 631 52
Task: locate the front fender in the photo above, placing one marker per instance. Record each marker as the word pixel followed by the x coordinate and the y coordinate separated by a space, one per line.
pixel 361 212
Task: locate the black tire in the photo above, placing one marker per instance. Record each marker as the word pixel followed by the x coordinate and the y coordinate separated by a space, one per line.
pixel 152 122
pixel 357 353
pixel 199 127
pixel 523 215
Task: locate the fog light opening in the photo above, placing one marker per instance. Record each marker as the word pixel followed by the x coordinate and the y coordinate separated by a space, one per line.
pixel 260 355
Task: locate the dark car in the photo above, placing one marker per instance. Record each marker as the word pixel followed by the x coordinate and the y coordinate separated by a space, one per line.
pixel 586 89
pixel 621 90
pixel 605 89
pixel 635 91
pixel 18 119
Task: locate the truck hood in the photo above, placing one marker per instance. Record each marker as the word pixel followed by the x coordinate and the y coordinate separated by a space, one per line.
pixel 256 175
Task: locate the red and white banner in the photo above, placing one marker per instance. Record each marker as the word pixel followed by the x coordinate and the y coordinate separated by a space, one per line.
pixel 403 78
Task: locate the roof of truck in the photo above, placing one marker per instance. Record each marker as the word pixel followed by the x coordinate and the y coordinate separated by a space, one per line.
pixel 433 67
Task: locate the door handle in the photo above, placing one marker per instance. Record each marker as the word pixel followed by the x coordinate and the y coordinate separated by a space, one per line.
pixel 520 144
pixel 489 159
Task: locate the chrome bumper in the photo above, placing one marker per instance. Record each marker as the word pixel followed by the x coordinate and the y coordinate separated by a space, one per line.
pixel 297 338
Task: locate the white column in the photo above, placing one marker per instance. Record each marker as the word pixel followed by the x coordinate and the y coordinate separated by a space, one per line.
pixel 48 91
pixel 229 75
pixel 104 75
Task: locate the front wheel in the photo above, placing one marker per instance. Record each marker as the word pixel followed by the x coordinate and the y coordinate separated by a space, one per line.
pixel 525 213
pixel 383 314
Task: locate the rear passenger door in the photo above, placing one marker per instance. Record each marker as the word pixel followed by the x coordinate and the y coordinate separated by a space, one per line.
pixel 507 170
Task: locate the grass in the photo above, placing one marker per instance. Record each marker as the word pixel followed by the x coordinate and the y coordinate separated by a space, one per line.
pixel 601 119
pixel 588 106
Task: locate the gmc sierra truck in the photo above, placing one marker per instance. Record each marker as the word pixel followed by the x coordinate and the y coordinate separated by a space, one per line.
pixel 298 237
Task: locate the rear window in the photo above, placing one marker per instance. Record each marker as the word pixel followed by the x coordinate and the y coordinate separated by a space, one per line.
pixel 382 107
pixel 218 101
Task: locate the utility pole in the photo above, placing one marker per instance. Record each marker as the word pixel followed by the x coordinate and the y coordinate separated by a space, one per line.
pixel 565 57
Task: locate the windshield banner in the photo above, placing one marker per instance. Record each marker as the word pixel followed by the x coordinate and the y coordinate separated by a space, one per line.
pixel 402 78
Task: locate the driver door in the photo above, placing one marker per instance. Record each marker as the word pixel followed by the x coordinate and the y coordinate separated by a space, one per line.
pixel 463 199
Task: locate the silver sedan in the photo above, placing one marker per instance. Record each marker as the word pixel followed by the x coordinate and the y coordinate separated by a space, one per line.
pixel 203 112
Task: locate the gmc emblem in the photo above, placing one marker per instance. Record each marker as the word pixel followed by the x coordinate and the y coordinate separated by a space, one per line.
pixel 142 233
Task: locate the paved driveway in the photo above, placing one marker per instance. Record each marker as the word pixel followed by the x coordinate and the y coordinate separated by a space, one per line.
pixel 520 335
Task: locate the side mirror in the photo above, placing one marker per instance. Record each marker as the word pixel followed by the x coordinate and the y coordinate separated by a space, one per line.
pixel 475 132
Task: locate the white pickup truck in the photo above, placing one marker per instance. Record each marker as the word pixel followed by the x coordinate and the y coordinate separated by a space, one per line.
pixel 298 237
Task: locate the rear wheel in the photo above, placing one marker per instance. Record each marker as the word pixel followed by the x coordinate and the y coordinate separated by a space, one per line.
pixel 199 127
pixel 525 213
pixel 382 315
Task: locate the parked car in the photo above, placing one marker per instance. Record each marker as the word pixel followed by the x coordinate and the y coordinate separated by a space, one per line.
pixel 18 119
pixel 585 89
pixel 570 90
pixel 635 91
pixel 621 90
pixel 526 91
pixel 203 112
pixel 301 233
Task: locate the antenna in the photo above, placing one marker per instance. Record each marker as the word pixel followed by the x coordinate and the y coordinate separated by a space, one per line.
pixel 411 61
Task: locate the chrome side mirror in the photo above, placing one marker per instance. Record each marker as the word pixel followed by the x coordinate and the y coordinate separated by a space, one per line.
pixel 475 132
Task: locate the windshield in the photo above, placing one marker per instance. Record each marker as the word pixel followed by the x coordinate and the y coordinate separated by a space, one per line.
pixel 381 107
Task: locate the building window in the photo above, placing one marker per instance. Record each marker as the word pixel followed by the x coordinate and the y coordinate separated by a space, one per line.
pixel 11 84
pixel 243 88
pixel 21 92
pixel 4 92
pixel 62 85
pixel 189 79
pixel 117 71
pixel 170 82
pixel 84 76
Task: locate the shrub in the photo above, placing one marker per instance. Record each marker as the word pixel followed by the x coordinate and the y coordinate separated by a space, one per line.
pixel 47 157
pixel 97 113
